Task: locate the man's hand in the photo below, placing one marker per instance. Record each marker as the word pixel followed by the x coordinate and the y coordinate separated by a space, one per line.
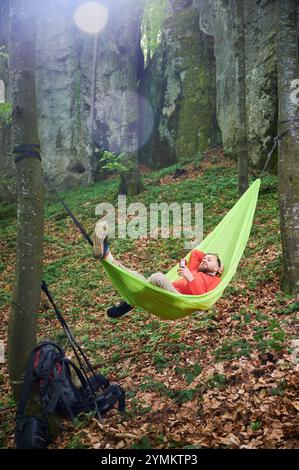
pixel 186 274
pixel 220 270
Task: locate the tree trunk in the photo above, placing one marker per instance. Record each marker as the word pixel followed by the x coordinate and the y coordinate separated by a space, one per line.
pixel 92 163
pixel 242 151
pixel 288 151
pixel 131 183
pixel 26 296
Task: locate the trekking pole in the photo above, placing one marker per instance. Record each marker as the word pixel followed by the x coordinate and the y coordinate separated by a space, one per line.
pixel 60 317
pixel 75 345
pixel 68 332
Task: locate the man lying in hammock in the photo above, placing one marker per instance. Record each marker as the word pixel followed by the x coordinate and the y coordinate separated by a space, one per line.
pixel 200 275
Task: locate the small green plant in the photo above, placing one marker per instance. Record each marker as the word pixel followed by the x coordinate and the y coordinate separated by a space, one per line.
pixel 143 443
pixel 232 349
pixel 160 361
pixel 247 317
pixel 189 373
pixel 292 308
pixel 217 381
pixel 76 443
pixel 113 162
pixel 260 316
pixel 277 340
pixel 280 389
pixel 5 113
pixel 82 419
pixel 255 425
pixel 182 396
pixel 157 387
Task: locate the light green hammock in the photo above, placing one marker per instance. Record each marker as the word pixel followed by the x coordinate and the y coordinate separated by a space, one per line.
pixel 228 239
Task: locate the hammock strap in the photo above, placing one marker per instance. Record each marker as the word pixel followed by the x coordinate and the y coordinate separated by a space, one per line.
pixel 26 151
pixel 278 139
pixel 68 210
pixel 288 120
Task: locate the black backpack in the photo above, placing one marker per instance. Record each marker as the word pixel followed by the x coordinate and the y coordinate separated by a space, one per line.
pixel 52 371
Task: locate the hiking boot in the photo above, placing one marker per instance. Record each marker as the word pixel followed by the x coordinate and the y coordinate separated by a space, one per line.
pixel 119 310
pixel 100 240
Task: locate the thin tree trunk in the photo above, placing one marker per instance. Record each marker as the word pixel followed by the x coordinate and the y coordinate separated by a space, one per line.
pixel 131 183
pixel 242 149
pixel 26 296
pixel 288 152
pixel 92 166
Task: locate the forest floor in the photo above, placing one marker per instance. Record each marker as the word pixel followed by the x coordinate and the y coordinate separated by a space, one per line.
pixel 226 378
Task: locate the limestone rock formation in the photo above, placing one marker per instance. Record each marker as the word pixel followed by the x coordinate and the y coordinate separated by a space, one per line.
pixel 218 19
pixel 180 83
pixel 62 94
pixel 63 77
pixel 189 86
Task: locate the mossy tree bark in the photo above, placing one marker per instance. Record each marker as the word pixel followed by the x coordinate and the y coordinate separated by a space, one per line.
pixel 242 152
pixel 288 152
pixel 26 296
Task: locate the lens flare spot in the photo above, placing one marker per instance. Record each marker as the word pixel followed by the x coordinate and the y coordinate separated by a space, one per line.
pixel 91 17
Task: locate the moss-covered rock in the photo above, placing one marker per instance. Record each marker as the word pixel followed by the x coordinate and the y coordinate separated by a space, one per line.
pixel 218 19
pixel 180 85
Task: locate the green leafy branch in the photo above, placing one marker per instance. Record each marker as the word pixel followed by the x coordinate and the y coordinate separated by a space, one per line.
pixel 113 162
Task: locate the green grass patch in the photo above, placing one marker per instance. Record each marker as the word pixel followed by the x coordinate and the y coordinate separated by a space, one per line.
pixel 232 349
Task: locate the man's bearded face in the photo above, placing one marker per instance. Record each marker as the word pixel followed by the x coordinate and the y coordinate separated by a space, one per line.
pixel 209 264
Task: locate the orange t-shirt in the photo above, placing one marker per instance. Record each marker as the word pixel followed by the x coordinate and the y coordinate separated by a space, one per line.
pixel 201 283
